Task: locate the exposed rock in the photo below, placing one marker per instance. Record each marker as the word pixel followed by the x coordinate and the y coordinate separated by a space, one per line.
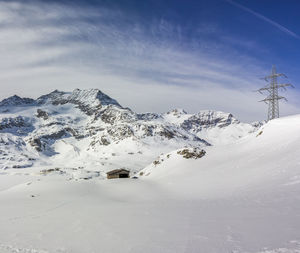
pixel 192 153
pixel 55 97
pixel 17 101
pixel 156 162
pixel 47 171
pixel 42 114
pixel 148 129
pixel 43 142
pixel 112 114
pixel 148 116
pixel 104 141
pixel 56 135
pixel 258 124
pixel 14 122
pixel 260 133
pixel 120 132
pixel 177 112
pixel 208 119
pixel 22 166
pixel 18 125
pixel 37 144
pixel 166 133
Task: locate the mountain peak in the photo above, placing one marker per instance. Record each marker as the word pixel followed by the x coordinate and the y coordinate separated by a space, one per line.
pixel 54 97
pixel 16 101
pixel 208 119
pixel 91 97
pixel 177 111
pixel 217 117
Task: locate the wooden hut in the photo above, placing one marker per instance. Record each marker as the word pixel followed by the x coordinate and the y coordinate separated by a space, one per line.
pixel 119 173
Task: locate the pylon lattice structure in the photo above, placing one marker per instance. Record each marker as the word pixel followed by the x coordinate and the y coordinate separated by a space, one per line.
pixel 272 88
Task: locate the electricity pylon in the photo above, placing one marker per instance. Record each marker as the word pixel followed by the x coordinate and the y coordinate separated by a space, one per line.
pixel 272 88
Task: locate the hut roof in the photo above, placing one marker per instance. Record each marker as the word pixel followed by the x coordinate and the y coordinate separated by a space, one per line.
pixel 117 171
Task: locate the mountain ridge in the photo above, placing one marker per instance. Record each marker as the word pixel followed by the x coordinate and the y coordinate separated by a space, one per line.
pixel 73 128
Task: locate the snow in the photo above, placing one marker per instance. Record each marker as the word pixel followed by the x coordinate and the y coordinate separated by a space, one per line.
pixel 72 133
pixel 91 97
pixel 226 169
pixel 222 136
pixel 16 101
pixel 239 197
pixel 65 128
pixel 176 116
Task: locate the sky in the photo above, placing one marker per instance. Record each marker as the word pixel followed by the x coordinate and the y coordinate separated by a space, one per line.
pixel 154 55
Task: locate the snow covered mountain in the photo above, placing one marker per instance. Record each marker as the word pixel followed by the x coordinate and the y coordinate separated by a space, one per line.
pixel 240 197
pixel 205 181
pixel 87 128
pixel 270 155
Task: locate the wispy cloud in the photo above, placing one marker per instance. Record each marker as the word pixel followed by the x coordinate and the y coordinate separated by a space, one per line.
pixel 264 18
pixel 148 68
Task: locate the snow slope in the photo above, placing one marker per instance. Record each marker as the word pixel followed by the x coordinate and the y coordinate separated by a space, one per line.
pixel 265 158
pixel 238 197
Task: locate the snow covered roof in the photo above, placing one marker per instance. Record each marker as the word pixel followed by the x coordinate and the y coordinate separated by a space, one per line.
pixel 117 171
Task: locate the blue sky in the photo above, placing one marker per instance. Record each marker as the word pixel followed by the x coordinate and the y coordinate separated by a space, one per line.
pixel 153 55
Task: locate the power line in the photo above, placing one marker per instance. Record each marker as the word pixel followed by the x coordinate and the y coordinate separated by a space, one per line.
pixel 272 88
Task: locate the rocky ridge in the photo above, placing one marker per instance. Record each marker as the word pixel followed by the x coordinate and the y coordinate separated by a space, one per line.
pixel 70 127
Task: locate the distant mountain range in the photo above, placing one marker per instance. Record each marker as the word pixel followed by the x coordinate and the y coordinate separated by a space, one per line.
pixel 89 129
